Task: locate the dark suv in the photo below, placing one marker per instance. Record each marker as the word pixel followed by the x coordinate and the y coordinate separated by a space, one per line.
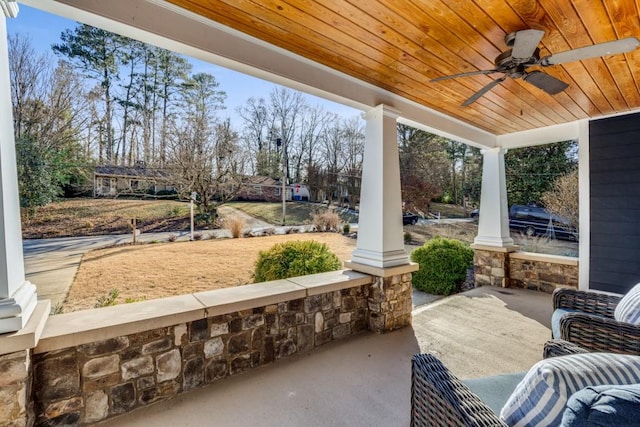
pixel 536 221
pixel 409 218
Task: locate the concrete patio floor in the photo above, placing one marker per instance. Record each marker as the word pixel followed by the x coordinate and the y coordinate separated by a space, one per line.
pixel 365 381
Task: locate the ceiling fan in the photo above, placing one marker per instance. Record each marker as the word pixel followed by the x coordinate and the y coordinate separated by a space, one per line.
pixel 524 53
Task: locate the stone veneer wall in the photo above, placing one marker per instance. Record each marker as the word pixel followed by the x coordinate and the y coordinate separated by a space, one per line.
pixel 87 383
pixel 390 303
pixel 525 270
pixel 540 272
pixel 14 388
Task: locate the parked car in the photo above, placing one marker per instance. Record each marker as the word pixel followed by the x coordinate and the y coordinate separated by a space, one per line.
pixel 475 214
pixel 409 218
pixel 536 221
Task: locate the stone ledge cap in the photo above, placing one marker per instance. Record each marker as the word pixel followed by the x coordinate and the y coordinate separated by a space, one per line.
pixel 82 327
pixel 27 337
pixel 331 281
pixel 502 249
pixel 382 272
pixel 554 259
pixel 228 300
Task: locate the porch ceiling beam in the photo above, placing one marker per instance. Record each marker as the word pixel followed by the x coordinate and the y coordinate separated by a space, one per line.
pixel 173 28
pixel 545 135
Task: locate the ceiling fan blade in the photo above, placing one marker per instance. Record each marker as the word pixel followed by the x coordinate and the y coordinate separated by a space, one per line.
pixel 470 73
pixel 482 91
pixel 526 43
pixel 597 50
pixel 544 81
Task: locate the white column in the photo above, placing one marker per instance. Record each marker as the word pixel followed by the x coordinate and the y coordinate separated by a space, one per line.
pixel 380 234
pixel 17 296
pixel 493 225
pixel 584 200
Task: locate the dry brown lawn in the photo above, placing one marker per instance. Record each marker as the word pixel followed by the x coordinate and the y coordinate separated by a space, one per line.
pixel 160 270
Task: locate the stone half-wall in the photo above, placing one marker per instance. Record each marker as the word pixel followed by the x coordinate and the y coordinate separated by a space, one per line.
pixel 507 268
pixel 97 379
pixel 542 272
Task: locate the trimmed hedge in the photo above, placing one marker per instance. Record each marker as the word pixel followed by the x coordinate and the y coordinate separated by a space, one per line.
pixel 292 259
pixel 443 265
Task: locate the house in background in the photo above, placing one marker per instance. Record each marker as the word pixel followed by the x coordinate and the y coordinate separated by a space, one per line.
pixel 111 181
pixel 267 189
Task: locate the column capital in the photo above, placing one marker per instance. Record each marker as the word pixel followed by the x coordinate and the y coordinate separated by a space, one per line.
pixel 383 109
pixel 9 7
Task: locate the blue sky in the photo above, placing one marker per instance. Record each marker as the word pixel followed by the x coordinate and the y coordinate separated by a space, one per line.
pixel 44 29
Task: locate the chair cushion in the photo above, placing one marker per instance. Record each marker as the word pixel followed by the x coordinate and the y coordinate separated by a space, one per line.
pixel 555 320
pixel 541 397
pixel 603 406
pixel 496 389
pixel 628 309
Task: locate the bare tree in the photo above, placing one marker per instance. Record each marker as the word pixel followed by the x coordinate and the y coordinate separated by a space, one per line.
pixel 562 199
pixel 333 160
pixel 314 121
pixel 203 151
pixel 47 101
pixel 353 148
pixel 255 135
pixel 424 167
pixel 287 107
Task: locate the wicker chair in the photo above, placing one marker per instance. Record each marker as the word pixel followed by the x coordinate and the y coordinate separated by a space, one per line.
pixel 593 326
pixel 438 398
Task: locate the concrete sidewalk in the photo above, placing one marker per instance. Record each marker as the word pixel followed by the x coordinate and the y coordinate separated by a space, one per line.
pixel 365 381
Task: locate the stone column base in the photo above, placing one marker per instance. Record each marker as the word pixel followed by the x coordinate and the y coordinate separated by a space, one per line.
pixel 390 297
pixel 491 265
pixel 15 389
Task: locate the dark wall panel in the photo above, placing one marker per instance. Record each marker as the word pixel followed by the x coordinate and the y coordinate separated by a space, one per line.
pixel 614 157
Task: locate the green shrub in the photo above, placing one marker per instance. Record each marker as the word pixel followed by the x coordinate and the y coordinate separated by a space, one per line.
pixel 443 265
pixel 291 259
pixel 346 228
pixel 408 238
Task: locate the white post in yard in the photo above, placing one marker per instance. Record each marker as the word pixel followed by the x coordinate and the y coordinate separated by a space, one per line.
pixel 380 234
pixel 18 297
pixel 191 199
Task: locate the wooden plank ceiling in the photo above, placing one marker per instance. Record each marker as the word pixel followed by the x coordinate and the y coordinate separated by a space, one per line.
pixel 400 45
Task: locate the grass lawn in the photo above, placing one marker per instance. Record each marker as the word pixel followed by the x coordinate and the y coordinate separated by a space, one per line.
pixel 449 211
pixel 160 270
pixel 297 213
pixel 93 217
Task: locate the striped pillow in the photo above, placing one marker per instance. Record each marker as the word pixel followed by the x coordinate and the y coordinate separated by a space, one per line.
pixel 628 309
pixel 540 398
